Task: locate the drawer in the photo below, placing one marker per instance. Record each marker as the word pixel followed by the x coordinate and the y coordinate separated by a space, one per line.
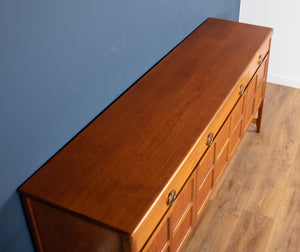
pixel 235 138
pixel 220 163
pixel 251 89
pixel 161 239
pixel 242 84
pixel 205 165
pixel 203 192
pixel 183 202
pixel 237 113
pixel 222 138
pixel 260 54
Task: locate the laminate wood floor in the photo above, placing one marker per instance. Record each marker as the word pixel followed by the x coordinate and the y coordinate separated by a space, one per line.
pixel 256 206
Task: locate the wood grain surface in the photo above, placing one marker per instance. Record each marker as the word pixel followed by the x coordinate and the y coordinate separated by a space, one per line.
pixel 256 206
pixel 114 171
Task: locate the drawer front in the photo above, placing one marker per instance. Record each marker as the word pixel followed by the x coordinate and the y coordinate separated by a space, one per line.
pixel 161 239
pixel 264 49
pixel 261 54
pixel 222 138
pixel 204 191
pixel 220 163
pixel 204 167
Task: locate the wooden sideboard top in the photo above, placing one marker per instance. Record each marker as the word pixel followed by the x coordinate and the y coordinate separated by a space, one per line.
pixel 114 170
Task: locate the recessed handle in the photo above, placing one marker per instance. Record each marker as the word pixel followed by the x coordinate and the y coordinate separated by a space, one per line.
pixel 171 197
pixel 260 59
pixel 210 139
pixel 242 89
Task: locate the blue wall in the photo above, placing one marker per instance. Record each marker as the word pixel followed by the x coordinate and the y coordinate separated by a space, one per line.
pixel 61 63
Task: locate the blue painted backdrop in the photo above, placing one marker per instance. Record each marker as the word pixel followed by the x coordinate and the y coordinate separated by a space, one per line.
pixel 61 63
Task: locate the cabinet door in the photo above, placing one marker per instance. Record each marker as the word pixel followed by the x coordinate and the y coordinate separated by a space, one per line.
pixel 249 108
pixel 262 73
pixel 221 163
pixel 204 179
pixel 236 126
pixel 222 139
pixel 203 192
pixel 235 138
pixel 221 150
pixel 259 96
pixel 261 82
pixel 182 217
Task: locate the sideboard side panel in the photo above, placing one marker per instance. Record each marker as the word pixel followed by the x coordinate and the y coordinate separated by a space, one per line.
pixel 60 231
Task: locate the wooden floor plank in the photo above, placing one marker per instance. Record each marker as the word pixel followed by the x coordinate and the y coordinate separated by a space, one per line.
pixel 256 206
pixel 219 224
pixel 286 235
pixel 251 232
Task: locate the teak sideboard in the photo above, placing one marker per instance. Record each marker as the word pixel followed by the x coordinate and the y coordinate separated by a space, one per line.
pixel 139 175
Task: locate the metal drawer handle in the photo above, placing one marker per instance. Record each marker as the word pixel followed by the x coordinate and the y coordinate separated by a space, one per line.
pixel 210 139
pixel 171 197
pixel 242 89
pixel 260 59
